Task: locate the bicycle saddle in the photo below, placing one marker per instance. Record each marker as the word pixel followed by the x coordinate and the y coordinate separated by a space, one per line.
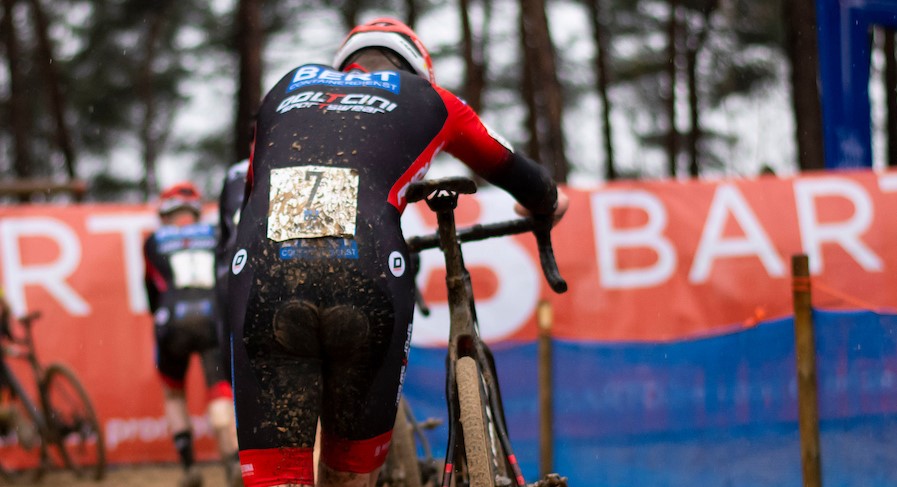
pixel 458 184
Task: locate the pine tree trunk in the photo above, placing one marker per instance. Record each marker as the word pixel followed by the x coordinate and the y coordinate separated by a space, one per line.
pixel 528 93
pixel 350 11
pixel 602 61
pixel 411 12
pixel 472 49
pixel 54 89
pixel 19 116
pixel 249 45
pixel 800 38
pixel 694 132
pixel 149 136
pixel 672 137
pixel 694 46
pixel 547 87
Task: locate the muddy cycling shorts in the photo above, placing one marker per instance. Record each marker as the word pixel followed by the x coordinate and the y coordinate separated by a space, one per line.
pixel 320 337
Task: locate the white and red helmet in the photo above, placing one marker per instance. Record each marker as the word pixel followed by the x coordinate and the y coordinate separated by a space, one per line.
pixel 178 196
pixel 389 34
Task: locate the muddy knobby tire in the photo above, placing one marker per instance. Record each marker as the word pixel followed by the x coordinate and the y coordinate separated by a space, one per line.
pixel 473 424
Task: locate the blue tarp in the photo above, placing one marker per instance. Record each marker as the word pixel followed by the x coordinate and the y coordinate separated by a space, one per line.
pixel 719 411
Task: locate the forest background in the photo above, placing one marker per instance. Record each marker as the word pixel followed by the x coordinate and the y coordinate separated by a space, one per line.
pixel 119 97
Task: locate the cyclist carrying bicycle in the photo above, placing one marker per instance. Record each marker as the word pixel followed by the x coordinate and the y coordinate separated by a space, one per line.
pixel 320 292
pixel 179 279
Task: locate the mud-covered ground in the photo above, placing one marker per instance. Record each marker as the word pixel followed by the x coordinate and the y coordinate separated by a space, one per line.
pixel 166 475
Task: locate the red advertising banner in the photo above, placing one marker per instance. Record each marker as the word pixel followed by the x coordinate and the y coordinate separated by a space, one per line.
pixel 645 261
pixel 658 261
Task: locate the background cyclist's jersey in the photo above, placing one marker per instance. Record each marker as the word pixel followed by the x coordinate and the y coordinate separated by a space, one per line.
pixel 179 258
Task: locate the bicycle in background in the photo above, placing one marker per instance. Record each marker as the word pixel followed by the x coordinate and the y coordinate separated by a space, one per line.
pixel 479 452
pixel 58 427
pixel 410 461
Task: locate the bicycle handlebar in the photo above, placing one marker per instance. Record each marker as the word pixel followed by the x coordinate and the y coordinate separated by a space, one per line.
pixel 540 226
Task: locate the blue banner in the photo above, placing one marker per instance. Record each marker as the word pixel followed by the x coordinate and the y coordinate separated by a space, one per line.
pixel 716 411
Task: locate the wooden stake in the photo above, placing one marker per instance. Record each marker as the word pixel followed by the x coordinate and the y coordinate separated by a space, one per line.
pixel 546 407
pixel 805 353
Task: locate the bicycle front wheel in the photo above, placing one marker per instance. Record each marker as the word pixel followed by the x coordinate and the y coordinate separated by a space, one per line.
pixel 73 423
pixel 473 424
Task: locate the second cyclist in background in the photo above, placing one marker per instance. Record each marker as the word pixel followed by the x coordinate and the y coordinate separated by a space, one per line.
pixel 180 279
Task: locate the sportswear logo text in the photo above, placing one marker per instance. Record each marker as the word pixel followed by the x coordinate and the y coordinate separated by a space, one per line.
pixel 339 102
pixel 318 75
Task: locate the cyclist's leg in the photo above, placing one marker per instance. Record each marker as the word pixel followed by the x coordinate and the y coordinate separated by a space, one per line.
pixel 220 404
pixel 365 349
pixel 277 382
pixel 172 359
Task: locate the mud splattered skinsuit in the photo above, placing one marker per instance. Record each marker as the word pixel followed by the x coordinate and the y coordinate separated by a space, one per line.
pixel 320 296
pixel 179 283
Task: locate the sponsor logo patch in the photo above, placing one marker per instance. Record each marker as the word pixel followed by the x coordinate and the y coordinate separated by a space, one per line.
pixel 318 75
pixel 320 249
pixel 396 264
pixel 336 102
pixel 239 261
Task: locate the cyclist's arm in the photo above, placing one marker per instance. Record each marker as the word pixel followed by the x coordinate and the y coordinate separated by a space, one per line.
pixel 152 278
pixel 491 157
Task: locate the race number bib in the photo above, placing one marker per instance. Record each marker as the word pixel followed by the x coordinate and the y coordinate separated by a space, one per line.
pixel 193 268
pixel 311 202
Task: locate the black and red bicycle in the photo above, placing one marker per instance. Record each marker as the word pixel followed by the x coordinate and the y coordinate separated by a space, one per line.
pixel 479 452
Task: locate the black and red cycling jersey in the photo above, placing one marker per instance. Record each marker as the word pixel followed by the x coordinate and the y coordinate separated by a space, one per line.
pixel 390 121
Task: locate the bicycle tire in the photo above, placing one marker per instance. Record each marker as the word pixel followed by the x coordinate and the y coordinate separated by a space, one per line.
pixel 402 468
pixel 473 424
pixel 73 423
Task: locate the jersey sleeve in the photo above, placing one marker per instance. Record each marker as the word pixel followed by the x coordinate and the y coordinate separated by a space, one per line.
pixel 152 277
pixel 492 158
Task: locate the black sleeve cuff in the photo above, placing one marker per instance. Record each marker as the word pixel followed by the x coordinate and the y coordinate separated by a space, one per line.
pixel 529 183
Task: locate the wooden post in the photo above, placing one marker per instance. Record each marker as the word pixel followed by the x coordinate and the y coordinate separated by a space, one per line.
pixel 805 353
pixel 546 408
pixel 19 187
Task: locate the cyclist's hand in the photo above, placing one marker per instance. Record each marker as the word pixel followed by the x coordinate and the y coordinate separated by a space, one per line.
pixel 563 204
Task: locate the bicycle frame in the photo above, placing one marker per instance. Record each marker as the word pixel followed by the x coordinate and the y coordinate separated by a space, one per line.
pixel 25 350
pixel 464 339
pixel 54 425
